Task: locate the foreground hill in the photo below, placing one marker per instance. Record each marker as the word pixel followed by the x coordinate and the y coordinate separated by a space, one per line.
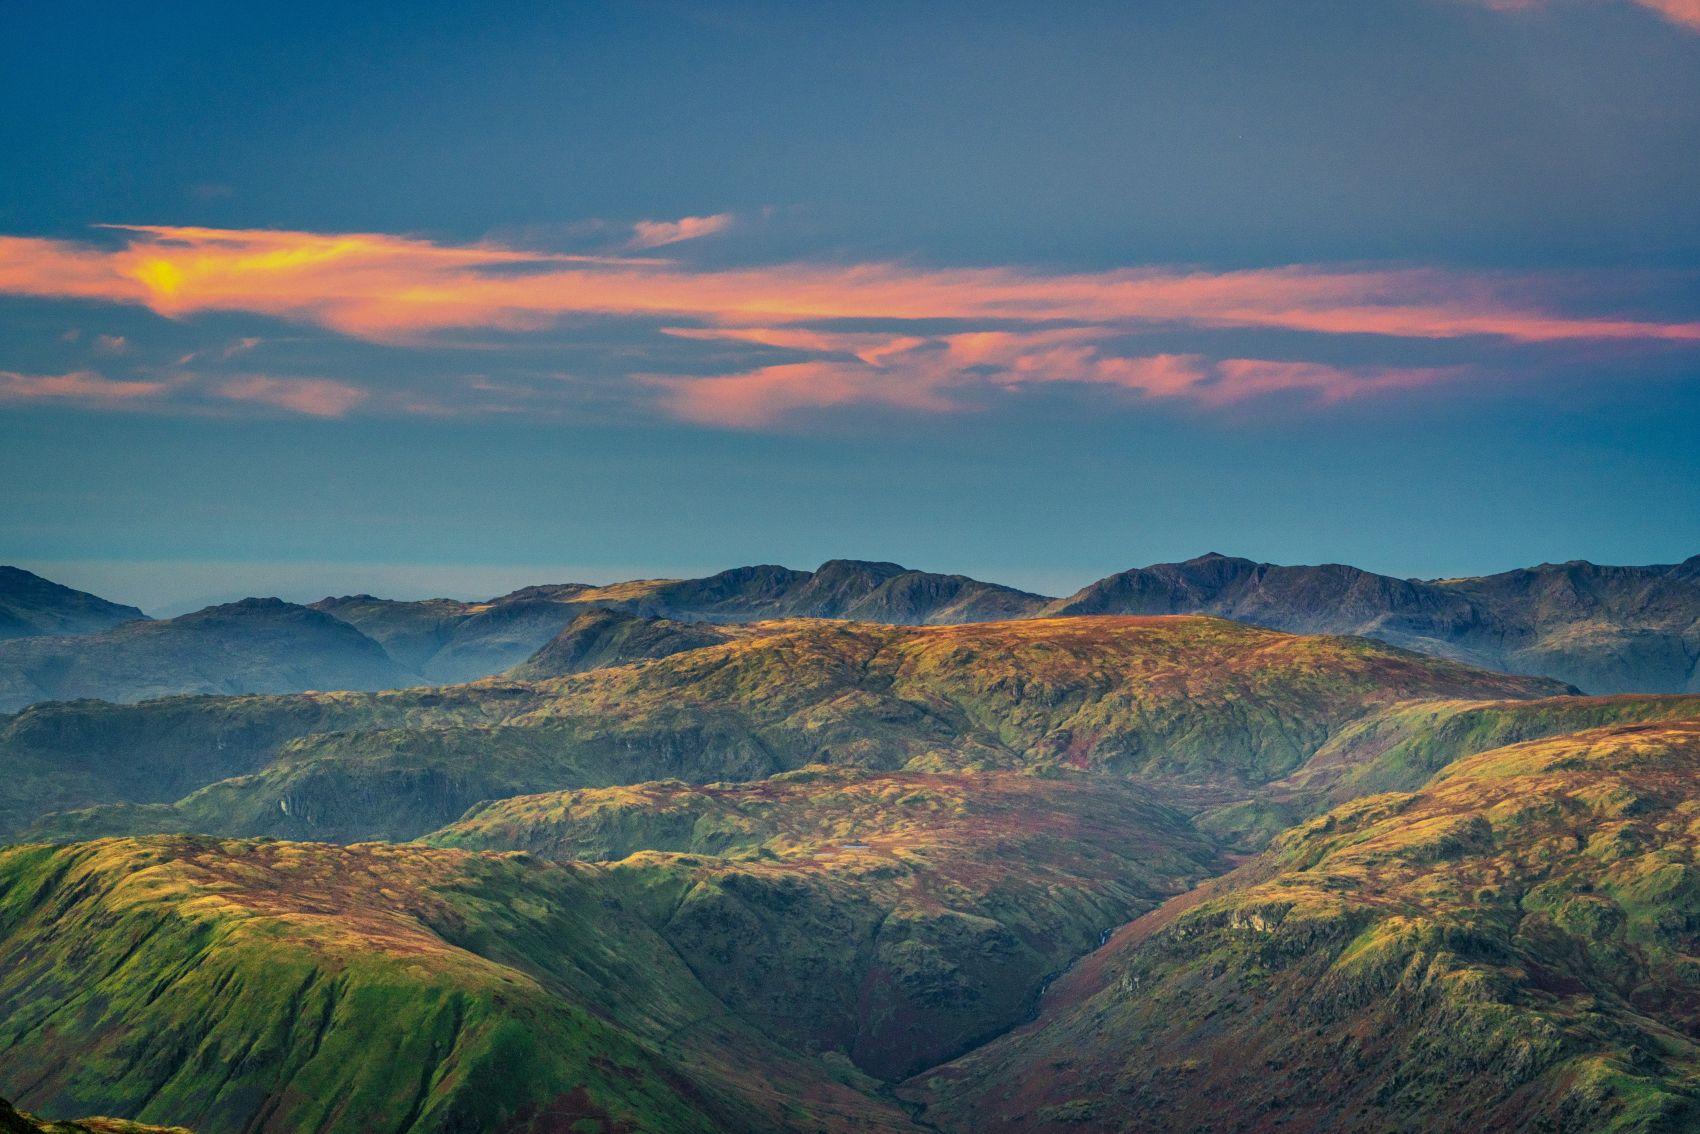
pixel 1603 629
pixel 31 606
pixel 253 646
pixel 1195 705
pixel 287 987
pixel 1510 948
pixel 897 917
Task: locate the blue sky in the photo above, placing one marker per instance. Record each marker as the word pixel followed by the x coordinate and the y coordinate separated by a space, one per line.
pixel 435 298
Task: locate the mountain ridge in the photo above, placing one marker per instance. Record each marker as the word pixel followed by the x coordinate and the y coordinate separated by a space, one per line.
pixel 31 606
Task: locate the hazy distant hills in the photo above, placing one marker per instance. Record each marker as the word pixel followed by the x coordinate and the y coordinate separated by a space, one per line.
pixel 252 646
pixel 446 641
pixel 1601 629
pixel 31 605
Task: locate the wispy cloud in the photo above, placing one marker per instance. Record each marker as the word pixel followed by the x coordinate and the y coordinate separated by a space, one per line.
pixel 944 374
pixel 79 386
pixel 1006 328
pixel 655 234
pixel 315 397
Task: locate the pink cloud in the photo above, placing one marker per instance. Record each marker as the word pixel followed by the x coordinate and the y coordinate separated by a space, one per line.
pixel 316 397
pixel 939 375
pixel 654 234
pixel 1684 13
pixel 81 386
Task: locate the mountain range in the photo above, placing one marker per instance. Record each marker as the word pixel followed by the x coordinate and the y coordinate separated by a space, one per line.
pixel 703 859
pixel 1086 872
pixel 1601 629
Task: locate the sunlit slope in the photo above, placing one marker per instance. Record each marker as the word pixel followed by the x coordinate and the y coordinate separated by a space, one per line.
pixel 1513 947
pixel 1399 748
pixel 12 1122
pixel 286 987
pixel 897 917
pixel 1182 700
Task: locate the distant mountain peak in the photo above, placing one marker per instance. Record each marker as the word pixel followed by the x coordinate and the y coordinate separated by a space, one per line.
pixel 31 606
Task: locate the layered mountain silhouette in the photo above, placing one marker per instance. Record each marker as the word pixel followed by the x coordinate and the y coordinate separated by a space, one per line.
pixel 31 606
pixel 1601 629
pixel 252 646
pixel 445 641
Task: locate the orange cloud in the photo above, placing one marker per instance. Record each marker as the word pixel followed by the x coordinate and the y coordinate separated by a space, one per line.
pixel 391 288
pixel 654 234
pixel 82 386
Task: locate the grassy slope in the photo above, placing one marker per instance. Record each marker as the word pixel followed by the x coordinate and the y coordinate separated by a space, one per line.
pixel 898 917
pixel 1182 701
pixel 1511 948
pixel 286 987
pixel 79 753
pixel 1399 748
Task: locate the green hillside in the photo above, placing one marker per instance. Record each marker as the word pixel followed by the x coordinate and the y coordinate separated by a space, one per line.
pixel 1512 947
pixel 1196 705
pixel 284 987
pixel 898 917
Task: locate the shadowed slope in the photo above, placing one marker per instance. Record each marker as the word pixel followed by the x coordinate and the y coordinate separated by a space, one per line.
pixel 898 917
pixel 253 646
pixel 1510 948
pixel 601 638
pixel 31 605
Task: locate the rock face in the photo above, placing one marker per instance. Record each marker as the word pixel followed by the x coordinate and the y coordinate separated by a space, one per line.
pixel 252 646
pixel 31 606
pixel 1602 629
pixel 1508 948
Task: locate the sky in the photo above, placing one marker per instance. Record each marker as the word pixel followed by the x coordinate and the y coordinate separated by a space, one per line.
pixel 448 298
